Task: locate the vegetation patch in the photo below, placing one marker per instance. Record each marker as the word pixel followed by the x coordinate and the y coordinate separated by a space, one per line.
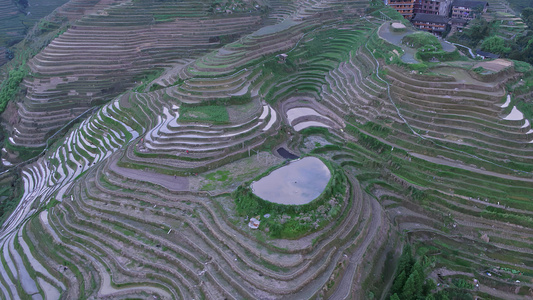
pixel 293 221
pixel 10 87
pixel 214 114
pixel 218 175
pixel 146 78
pixel 428 48
pixel 490 36
pixel 411 280
pixel 438 55
pixel 495 44
pixel 423 41
pixel 233 100
pixel 10 194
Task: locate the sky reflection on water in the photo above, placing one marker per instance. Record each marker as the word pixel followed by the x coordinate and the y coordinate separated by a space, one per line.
pixel 297 183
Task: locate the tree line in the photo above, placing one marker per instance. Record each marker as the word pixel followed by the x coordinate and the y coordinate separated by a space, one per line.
pixel 412 282
pixel 10 87
pixel 482 34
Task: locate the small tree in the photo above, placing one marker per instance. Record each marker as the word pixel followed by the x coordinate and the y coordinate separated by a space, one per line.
pixel 495 44
pixel 527 16
pixel 411 290
pixel 395 297
pixel 399 282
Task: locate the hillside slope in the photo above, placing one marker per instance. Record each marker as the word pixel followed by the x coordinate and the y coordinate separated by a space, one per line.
pixel 148 195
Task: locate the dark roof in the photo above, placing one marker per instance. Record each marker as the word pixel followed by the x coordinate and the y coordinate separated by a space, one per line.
pixel 469 3
pixel 430 18
pixel 487 54
pixel 458 21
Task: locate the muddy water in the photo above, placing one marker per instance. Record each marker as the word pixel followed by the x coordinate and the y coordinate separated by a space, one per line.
pixel 297 183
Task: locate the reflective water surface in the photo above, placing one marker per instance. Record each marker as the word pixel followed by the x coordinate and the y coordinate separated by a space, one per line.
pixel 297 183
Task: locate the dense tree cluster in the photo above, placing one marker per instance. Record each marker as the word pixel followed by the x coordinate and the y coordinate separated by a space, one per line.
pixel 519 5
pixel 527 16
pixel 482 34
pixel 495 44
pixel 523 46
pixel 411 283
pixel 9 196
pixel 10 87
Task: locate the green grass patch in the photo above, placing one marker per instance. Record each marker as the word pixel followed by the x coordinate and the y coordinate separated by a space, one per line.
pixel 146 78
pixel 214 114
pixel 439 55
pixel 218 175
pixel 422 41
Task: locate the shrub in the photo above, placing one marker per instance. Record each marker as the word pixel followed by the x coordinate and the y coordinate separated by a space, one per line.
pixel 440 55
pixel 495 44
pixel 422 41
pixel 10 86
pixel 146 78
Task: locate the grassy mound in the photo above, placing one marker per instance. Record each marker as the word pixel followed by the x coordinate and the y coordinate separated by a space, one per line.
pixel 215 114
pixel 423 41
pixel 429 47
pixel 293 221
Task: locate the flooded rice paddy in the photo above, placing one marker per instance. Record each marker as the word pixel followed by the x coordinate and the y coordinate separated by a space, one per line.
pixel 297 183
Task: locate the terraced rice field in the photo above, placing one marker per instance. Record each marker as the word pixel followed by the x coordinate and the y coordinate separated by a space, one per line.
pixel 16 20
pixel 109 50
pixel 11 29
pixel 137 199
pixel 511 25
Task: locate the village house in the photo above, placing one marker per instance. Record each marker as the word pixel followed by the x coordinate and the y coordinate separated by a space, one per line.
pixel 485 55
pixel 467 9
pixel 458 24
pixel 434 24
pixel 433 7
pixel 404 7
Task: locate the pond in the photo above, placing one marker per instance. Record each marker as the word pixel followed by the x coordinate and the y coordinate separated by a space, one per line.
pixel 297 183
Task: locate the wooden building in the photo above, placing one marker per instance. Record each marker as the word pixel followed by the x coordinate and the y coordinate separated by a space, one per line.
pixel 404 7
pixel 434 24
pixel 467 9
